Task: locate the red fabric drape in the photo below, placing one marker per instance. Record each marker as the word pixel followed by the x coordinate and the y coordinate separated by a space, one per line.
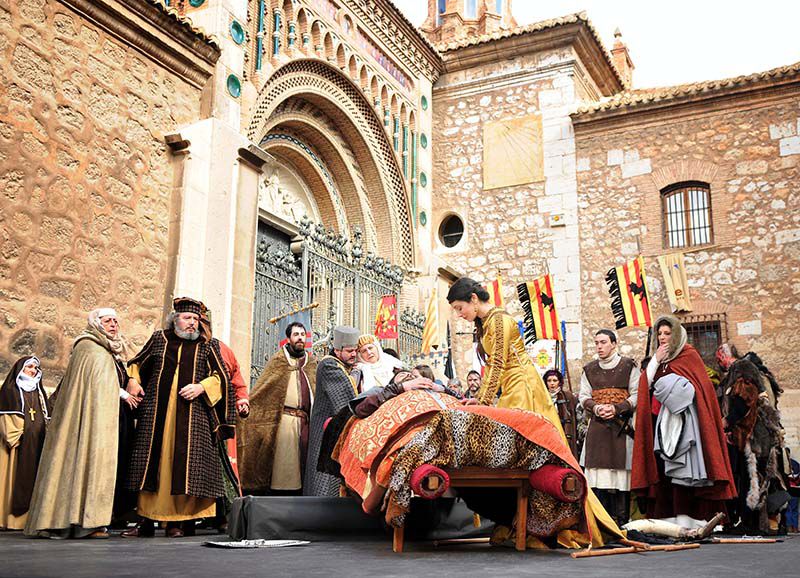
pixel 644 474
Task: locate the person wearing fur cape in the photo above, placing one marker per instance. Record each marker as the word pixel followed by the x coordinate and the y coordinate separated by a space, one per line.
pixel 665 498
pixel 273 441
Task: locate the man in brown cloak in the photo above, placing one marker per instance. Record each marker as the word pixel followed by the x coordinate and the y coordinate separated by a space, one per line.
pixel 273 441
pixel 188 403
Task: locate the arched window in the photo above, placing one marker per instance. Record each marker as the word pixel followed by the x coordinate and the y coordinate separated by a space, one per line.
pixel 686 210
pixel 441 6
pixel 470 8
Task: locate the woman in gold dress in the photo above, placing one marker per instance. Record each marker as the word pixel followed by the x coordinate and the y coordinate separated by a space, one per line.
pixel 509 370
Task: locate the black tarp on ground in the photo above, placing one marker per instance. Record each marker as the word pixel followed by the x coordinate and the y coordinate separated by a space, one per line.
pixel 341 519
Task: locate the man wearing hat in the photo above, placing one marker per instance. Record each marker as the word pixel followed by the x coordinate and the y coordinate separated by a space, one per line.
pixel 337 383
pixel 189 402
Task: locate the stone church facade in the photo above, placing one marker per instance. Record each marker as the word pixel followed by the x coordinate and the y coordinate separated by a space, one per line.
pixel 257 154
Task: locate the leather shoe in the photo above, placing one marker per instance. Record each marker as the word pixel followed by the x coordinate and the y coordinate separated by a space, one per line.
pixel 174 533
pixel 141 530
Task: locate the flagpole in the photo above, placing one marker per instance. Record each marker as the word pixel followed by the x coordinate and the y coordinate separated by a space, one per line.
pixel 564 354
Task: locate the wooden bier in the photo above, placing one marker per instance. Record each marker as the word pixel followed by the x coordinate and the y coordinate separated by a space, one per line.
pixel 488 478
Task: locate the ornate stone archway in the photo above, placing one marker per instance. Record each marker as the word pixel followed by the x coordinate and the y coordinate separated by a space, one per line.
pixel 312 116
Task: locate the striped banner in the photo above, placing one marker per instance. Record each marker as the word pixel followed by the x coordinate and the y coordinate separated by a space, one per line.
pixel 539 306
pixel 630 302
pixel 430 333
pixel 495 289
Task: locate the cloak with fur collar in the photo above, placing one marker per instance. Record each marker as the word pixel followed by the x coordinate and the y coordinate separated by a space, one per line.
pixel 257 434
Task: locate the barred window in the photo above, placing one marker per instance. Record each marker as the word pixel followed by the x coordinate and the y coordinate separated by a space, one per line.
pixel 706 333
pixel 687 215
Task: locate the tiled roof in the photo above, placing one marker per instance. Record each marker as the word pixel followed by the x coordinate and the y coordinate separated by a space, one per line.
pixel 577 17
pixel 185 22
pixel 632 98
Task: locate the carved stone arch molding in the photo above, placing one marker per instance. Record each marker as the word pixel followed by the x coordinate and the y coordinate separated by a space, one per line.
pixel 341 101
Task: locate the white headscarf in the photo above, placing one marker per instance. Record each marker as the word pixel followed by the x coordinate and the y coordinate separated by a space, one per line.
pixel 26 382
pixel 115 344
pixel 379 373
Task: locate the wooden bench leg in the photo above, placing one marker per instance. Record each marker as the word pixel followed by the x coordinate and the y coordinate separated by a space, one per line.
pixel 522 517
pixel 397 540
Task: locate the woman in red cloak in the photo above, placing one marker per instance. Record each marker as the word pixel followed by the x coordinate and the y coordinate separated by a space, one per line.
pixel 665 499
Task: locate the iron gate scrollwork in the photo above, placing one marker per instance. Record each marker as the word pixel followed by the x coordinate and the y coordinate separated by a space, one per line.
pixel 334 271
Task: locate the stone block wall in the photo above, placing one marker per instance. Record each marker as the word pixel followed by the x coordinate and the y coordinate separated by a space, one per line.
pixel 751 271
pixel 85 180
pixel 508 230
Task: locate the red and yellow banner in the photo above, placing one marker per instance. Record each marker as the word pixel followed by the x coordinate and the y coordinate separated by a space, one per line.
pixel 386 319
pixel 430 332
pixel 630 301
pixel 495 289
pixel 538 304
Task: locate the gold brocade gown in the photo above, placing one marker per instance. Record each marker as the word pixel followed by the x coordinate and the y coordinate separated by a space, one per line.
pixel 509 369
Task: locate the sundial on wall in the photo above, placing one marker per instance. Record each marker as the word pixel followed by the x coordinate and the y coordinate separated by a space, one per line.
pixel 512 152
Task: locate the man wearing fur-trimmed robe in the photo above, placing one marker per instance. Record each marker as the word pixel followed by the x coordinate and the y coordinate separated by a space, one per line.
pixel 273 441
pixel 188 403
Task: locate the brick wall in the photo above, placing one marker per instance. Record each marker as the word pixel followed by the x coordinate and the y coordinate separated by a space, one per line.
pixel 85 180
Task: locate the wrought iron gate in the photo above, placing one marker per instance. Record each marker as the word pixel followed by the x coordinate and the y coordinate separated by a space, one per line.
pixel 329 269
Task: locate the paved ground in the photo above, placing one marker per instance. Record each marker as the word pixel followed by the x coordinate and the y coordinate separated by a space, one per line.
pixel 159 557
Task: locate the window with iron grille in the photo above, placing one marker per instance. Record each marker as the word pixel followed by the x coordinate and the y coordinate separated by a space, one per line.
pixel 706 333
pixel 686 208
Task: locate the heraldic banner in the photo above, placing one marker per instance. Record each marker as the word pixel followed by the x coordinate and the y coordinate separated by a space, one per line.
pixel 630 302
pixel 677 285
pixel 539 306
pixel 495 289
pixel 386 319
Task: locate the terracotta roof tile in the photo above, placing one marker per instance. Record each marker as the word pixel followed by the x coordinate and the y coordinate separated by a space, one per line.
pixel 185 22
pixel 632 98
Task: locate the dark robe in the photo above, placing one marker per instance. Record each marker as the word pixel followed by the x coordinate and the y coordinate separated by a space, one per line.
pixel 664 499
pixel 257 434
pixel 124 499
pixel 14 401
pixel 567 406
pixel 335 388
pixel 197 469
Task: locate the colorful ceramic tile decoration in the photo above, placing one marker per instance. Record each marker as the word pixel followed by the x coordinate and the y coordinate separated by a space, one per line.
pixel 234 86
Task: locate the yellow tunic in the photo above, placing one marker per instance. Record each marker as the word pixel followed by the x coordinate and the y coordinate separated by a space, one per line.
pixel 162 505
pixel 286 463
pixel 510 370
pixel 11 427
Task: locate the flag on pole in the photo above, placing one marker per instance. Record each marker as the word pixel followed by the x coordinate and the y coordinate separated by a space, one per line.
pixel 495 289
pixel 386 319
pixel 677 285
pixel 630 302
pixel 538 304
pixel 430 333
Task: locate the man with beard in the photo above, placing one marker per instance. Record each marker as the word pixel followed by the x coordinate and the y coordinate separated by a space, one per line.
pixel 337 383
pixel 273 441
pixel 188 403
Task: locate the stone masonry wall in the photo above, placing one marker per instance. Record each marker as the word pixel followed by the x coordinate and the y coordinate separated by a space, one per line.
pixel 750 156
pixel 508 229
pixel 85 180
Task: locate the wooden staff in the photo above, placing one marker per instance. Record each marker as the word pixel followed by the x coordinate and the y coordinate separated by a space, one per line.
pixel 458 541
pixel 611 552
pixel 295 309
pixel 743 541
pixel 635 544
pixel 673 547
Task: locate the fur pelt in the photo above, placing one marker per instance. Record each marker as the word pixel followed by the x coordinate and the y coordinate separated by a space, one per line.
pixel 257 433
pixel 754 490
